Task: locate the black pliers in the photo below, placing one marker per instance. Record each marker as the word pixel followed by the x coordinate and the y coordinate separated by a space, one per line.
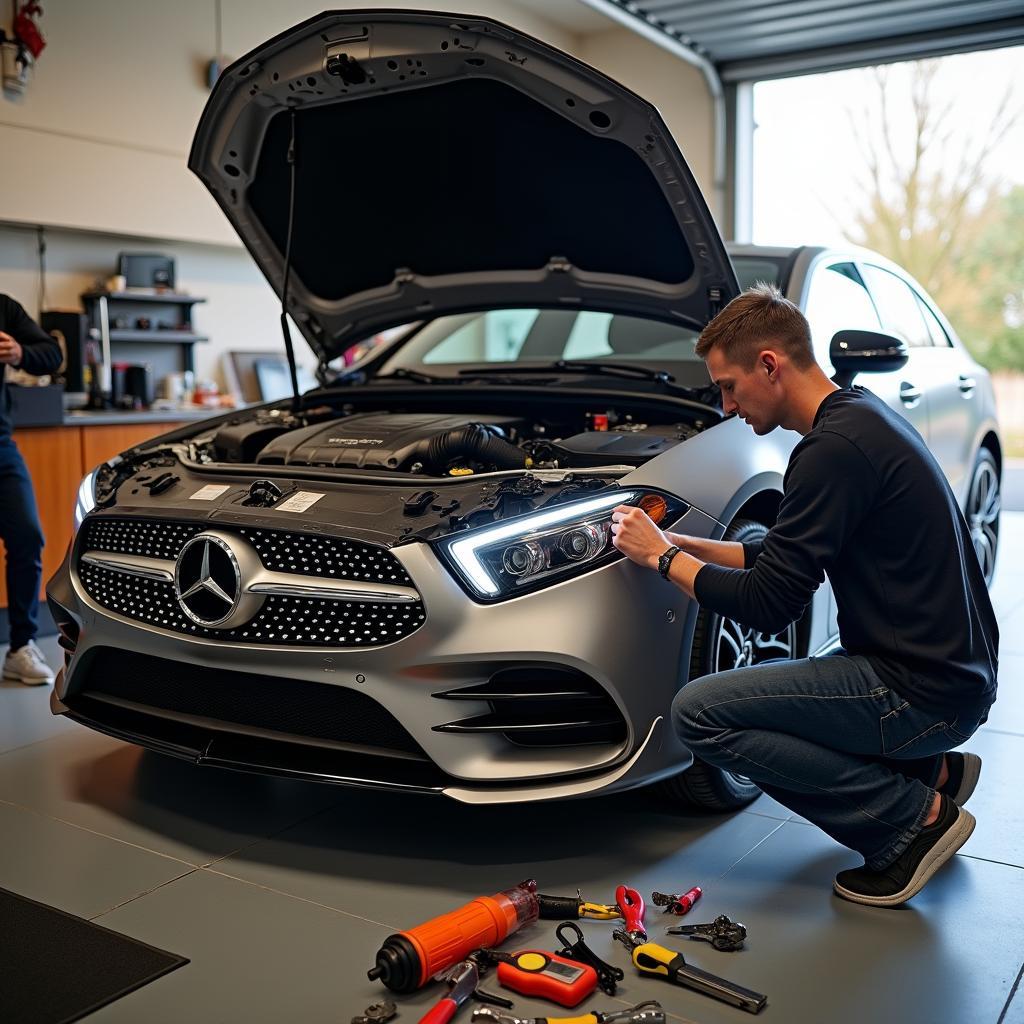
pixel 723 934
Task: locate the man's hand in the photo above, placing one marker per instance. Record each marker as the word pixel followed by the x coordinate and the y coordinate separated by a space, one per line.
pixel 636 536
pixel 10 350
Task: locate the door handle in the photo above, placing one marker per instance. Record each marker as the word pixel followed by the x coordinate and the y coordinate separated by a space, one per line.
pixel 967 384
pixel 909 395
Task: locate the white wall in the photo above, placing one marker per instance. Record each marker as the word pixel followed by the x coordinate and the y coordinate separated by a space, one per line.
pixel 241 312
pixel 99 144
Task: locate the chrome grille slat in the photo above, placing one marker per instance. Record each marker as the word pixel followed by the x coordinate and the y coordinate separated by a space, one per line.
pixel 365 600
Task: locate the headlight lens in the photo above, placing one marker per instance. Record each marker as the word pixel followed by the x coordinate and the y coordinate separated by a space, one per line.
pixel 85 501
pixel 507 559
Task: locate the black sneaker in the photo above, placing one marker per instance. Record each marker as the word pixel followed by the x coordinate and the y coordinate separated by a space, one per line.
pixel 964 771
pixel 907 875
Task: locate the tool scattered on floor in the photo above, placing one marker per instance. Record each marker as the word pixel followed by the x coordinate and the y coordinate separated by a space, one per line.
pixel 535 972
pixel 631 910
pixel 463 984
pixel 656 961
pixel 607 974
pixel 554 908
pixel 409 959
pixel 723 934
pixel 677 904
pixel 643 1013
pixel 377 1013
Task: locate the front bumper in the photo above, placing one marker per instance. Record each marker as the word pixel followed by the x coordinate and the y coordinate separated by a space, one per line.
pixel 620 627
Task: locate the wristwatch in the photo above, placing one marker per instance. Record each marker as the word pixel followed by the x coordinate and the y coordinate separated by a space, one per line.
pixel 665 561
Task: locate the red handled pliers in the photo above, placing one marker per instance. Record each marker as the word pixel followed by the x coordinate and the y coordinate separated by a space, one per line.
pixel 631 908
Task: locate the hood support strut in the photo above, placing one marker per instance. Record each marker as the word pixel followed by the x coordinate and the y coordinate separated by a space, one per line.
pixel 288 347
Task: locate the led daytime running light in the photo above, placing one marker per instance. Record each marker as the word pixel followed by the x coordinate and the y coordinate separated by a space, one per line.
pixel 465 551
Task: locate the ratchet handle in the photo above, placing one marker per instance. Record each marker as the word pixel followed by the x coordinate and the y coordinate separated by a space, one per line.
pixel 631 907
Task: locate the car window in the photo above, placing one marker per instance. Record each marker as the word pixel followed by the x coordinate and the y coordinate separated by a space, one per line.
pixel 837 301
pixel 524 335
pixel 754 271
pixel 588 338
pixel 493 337
pixel 898 307
pixel 938 335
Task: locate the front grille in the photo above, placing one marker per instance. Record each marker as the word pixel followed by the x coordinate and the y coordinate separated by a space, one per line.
pixel 295 621
pixel 540 706
pixel 287 707
pixel 280 550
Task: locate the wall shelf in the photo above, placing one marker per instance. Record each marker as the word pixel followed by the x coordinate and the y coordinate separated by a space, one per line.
pixel 156 336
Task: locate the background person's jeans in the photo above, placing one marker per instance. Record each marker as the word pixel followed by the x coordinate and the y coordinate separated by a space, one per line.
pixel 830 741
pixel 23 539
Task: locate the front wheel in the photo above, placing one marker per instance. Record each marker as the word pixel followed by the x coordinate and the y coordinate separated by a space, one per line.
pixel 720 644
pixel 982 511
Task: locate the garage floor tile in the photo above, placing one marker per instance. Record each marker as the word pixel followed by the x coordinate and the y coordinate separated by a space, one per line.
pixel 819 958
pixel 262 957
pixel 74 870
pixel 152 801
pixel 1007 713
pixel 999 834
pixel 26 716
pixel 380 859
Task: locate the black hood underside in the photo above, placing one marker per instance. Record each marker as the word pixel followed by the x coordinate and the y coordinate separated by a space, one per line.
pixel 445 164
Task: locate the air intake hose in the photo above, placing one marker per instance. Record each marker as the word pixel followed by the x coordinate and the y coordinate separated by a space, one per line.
pixel 473 443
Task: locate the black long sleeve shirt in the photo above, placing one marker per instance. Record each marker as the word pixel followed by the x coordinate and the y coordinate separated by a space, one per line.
pixel 865 501
pixel 39 352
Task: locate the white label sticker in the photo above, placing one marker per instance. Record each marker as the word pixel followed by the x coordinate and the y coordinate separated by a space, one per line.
pixel 299 502
pixel 209 492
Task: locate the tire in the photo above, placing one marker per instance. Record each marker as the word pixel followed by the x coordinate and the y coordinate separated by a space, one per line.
pixel 981 510
pixel 720 644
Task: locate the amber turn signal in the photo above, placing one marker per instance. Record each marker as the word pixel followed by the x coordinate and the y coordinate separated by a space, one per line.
pixel 655 506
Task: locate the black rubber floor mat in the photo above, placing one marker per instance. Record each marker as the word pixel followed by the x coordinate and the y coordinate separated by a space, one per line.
pixel 56 968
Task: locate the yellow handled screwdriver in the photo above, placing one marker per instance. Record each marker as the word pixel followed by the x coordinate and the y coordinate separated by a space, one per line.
pixel 659 962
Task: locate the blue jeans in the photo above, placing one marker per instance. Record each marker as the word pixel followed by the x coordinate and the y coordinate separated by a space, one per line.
pixel 23 539
pixel 830 741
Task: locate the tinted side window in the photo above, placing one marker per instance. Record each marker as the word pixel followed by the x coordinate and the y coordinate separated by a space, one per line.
pixel 898 307
pixel 837 301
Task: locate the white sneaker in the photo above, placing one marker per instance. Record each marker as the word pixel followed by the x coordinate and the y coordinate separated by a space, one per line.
pixel 27 665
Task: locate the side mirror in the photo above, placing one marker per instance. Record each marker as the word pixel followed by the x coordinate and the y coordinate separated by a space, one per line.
pixel 854 352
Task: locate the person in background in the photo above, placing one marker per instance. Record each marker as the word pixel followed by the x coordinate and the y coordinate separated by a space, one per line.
pixel 25 346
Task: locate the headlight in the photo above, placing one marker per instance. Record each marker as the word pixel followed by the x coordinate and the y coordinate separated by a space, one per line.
pixel 509 558
pixel 85 502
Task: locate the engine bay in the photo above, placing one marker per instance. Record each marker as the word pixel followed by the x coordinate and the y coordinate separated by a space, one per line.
pixel 443 445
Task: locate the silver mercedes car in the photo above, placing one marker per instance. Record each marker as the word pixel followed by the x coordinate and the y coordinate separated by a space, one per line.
pixel 403 578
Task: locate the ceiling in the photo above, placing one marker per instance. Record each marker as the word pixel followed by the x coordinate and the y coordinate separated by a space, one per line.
pixel 766 38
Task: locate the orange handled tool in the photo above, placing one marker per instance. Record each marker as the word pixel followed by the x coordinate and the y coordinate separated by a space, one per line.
pixel 409 959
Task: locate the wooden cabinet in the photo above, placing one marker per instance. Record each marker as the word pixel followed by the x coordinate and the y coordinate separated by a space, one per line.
pixel 104 442
pixel 57 459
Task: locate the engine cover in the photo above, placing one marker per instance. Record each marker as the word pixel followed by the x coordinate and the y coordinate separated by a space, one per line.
pixel 372 440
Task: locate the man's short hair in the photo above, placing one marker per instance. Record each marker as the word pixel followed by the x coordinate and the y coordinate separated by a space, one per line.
pixel 759 318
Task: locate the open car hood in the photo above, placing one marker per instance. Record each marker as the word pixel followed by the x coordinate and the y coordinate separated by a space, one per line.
pixel 445 163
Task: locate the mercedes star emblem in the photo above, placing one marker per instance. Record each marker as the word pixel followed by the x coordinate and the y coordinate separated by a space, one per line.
pixel 207 580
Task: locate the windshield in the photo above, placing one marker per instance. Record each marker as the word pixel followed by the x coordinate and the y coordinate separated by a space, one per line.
pixel 543 336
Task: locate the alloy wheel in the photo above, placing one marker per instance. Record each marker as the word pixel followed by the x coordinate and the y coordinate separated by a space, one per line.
pixel 739 646
pixel 982 514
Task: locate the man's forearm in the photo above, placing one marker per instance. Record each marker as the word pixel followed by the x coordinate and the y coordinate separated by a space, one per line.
pixel 728 553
